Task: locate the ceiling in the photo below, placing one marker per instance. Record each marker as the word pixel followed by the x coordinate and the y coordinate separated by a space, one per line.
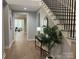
pixel 19 5
pixel 20 17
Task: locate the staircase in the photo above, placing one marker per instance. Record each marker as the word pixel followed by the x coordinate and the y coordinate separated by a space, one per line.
pixel 63 15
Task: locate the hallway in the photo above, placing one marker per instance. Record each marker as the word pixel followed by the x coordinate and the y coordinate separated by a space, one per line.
pixel 31 16
pixel 23 49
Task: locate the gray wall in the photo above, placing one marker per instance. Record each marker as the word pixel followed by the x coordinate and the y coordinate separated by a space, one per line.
pixel 3 41
pixel 5 25
pixel 31 25
pixel 7 31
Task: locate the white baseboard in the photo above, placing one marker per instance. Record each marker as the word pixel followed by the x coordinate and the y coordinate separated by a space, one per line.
pixel 3 57
pixel 30 39
pixel 10 45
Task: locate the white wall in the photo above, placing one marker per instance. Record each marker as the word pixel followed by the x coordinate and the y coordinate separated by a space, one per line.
pixel 42 16
pixel 31 25
pixel 25 25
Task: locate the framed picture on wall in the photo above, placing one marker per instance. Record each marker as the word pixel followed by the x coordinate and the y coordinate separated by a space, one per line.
pixel 10 22
pixel 45 21
pixel 38 19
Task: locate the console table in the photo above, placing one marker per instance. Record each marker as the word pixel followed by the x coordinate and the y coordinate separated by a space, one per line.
pixel 37 38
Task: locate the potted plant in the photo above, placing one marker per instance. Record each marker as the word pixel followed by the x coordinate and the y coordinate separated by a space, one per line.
pixel 50 37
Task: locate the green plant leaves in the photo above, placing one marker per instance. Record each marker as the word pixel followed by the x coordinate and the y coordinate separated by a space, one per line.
pixel 54 36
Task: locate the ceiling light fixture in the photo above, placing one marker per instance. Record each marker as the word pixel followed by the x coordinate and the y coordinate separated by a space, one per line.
pixel 25 8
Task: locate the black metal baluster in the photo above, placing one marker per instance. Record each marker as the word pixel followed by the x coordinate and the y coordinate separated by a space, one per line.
pixel 71 32
pixel 69 16
pixel 74 19
pixel 67 19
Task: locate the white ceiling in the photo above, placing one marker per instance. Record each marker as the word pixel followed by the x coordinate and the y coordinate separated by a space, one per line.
pixel 19 5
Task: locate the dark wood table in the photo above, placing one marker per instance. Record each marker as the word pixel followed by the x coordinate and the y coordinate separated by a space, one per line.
pixel 37 38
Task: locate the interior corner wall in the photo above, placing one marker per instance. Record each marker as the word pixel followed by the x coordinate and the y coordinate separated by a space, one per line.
pixel 31 25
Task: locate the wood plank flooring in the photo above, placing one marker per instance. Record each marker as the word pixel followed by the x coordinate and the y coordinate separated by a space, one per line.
pixel 23 49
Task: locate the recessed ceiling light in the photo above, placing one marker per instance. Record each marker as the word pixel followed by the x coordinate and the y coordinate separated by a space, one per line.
pixel 25 8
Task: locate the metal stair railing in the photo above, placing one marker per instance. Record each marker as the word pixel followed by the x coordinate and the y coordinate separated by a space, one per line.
pixel 64 14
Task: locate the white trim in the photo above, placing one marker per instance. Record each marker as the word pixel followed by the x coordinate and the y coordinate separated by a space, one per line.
pixel 10 45
pixel 27 36
pixel 30 39
pixel 27 25
pixel 3 57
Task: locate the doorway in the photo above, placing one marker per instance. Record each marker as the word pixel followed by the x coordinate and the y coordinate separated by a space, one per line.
pixel 20 23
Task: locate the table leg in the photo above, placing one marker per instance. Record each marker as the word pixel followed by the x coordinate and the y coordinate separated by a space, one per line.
pixel 35 42
pixel 41 49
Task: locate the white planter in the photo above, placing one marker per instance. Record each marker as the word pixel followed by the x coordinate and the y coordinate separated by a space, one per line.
pixel 49 57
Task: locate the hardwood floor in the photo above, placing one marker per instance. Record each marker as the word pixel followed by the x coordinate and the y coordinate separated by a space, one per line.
pixel 23 49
